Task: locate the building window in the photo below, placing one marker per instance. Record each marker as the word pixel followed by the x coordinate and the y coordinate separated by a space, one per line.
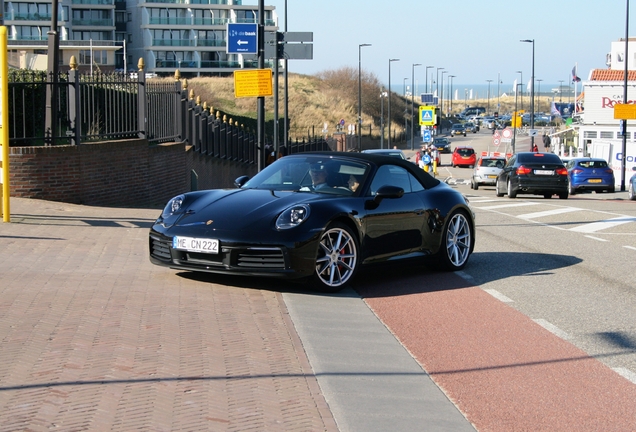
pixel 590 134
pixel 95 56
pixel 607 134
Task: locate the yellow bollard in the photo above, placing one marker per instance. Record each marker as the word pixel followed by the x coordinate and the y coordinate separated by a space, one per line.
pixel 435 167
pixel 426 168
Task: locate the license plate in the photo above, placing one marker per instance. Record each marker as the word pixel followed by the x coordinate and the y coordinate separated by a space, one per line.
pixel 193 244
pixel 594 181
pixel 492 176
pixel 543 172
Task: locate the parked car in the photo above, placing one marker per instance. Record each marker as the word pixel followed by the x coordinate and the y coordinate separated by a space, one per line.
pixel 463 156
pixel 632 186
pixel 442 144
pixel 387 152
pixel 458 129
pixel 470 127
pixel 591 174
pixel 486 171
pixel 299 219
pixel 533 173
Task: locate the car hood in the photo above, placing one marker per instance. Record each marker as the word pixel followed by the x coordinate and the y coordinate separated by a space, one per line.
pixel 236 209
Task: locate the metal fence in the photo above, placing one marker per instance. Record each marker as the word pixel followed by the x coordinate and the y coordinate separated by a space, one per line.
pixel 98 107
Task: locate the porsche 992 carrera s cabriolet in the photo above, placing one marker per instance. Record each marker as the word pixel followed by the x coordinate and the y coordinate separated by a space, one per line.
pixel 317 216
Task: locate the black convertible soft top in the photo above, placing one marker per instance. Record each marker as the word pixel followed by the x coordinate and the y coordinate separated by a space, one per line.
pixel 427 180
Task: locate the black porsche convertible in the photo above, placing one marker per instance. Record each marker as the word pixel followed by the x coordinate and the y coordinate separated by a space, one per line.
pixel 318 216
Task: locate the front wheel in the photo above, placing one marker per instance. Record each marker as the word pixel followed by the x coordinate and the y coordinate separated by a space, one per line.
pixel 338 258
pixel 457 238
pixel 631 192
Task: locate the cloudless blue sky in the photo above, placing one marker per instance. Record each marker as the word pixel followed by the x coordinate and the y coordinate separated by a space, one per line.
pixel 473 40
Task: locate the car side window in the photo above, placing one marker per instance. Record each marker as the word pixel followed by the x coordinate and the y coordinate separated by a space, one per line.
pixel 511 161
pixel 393 175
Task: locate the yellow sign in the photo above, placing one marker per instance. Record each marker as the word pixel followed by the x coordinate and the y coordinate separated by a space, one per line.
pixel 253 83
pixel 625 111
pixel 427 115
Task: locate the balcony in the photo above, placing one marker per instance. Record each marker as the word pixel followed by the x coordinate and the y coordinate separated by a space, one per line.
pixel 93 22
pixel 93 2
pixel 173 42
pixel 211 21
pixel 170 21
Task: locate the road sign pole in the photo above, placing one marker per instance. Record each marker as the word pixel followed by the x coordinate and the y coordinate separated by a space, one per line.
pixel 260 105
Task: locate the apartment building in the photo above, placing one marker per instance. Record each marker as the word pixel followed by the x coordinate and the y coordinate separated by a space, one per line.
pixel 189 35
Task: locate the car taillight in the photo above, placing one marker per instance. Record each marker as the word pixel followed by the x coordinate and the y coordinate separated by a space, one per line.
pixel 562 171
pixel 609 171
pixel 577 171
pixel 523 170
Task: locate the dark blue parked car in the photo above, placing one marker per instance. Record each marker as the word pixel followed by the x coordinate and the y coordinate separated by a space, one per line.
pixel 590 174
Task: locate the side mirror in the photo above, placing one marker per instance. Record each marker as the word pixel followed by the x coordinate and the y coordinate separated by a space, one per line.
pixel 385 192
pixel 239 182
pixel 634 168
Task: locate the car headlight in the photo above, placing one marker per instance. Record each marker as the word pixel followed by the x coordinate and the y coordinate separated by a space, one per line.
pixel 292 217
pixel 174 205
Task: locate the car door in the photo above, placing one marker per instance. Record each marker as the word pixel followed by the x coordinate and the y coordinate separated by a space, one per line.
pixel 394 227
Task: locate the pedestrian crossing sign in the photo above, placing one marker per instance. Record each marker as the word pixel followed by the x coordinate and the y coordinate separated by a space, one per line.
pixel 427 115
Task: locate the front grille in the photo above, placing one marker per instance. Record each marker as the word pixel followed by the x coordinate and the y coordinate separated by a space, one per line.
pixel 160 248
pixel 262 258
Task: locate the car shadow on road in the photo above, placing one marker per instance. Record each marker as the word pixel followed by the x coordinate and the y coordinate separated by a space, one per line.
pixel 483 267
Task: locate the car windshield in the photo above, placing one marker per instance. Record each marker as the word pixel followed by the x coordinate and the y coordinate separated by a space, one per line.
pixel 465 152
pixel 316 174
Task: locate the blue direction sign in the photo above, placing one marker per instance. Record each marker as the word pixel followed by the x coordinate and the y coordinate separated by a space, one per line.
pixel 426 135
pixel 242 38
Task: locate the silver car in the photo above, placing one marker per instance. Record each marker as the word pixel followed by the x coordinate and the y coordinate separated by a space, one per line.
pixel 486 171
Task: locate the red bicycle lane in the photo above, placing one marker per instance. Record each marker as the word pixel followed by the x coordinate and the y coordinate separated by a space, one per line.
pixel 501 369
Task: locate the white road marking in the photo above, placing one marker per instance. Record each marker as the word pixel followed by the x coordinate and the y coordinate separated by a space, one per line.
pixel 630 247
pixel 601 225
pixel 499 296
pixel 519 204
pixel 552 328
pixel 596 238
pixel 626 373
pixel 550 212
pixel 464 275
pixel 473 200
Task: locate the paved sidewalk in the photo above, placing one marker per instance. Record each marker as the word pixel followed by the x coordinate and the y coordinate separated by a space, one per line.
pixel 94 337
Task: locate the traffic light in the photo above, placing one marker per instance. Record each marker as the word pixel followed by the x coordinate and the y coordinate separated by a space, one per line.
pixel 280 45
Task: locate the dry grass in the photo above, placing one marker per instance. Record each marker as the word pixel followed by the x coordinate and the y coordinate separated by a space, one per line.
pixel 326 98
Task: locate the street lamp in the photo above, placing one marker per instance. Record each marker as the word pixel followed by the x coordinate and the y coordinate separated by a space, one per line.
pixel 489 81
pixel 560 90
pixel 404 86
pixel 437 83
pixel 441 107
pixel 390 61
pixel 531 93
pixel 498 92
pixel 426 77
pixel 450 96
pixel 539 96
pixel 383 95
pixel 521 81
pixel 413 104
pixel 360 95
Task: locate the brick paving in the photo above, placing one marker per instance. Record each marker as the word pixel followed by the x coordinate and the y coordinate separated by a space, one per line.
pixel 94 337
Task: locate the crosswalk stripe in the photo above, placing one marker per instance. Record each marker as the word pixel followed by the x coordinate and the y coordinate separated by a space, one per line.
pixel 601 225
pixel 549 212
pixel 521 204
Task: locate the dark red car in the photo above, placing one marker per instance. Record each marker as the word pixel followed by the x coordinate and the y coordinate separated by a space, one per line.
pixel 464 156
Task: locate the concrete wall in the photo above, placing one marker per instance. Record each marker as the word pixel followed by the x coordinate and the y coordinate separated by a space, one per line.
pixel 116 173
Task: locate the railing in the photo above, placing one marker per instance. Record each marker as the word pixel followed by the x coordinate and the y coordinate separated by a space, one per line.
pixel 97 107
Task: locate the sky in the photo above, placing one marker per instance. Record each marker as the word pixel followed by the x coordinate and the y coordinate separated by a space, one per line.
pixel 474 40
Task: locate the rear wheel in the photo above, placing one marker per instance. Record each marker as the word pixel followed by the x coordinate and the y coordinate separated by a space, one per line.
pixel 631 192
pixel 456 244
pixel 563 195
pixel 547 196
pixel 511 192
pixel 499 194
pixel 571 189
pixel 338 258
